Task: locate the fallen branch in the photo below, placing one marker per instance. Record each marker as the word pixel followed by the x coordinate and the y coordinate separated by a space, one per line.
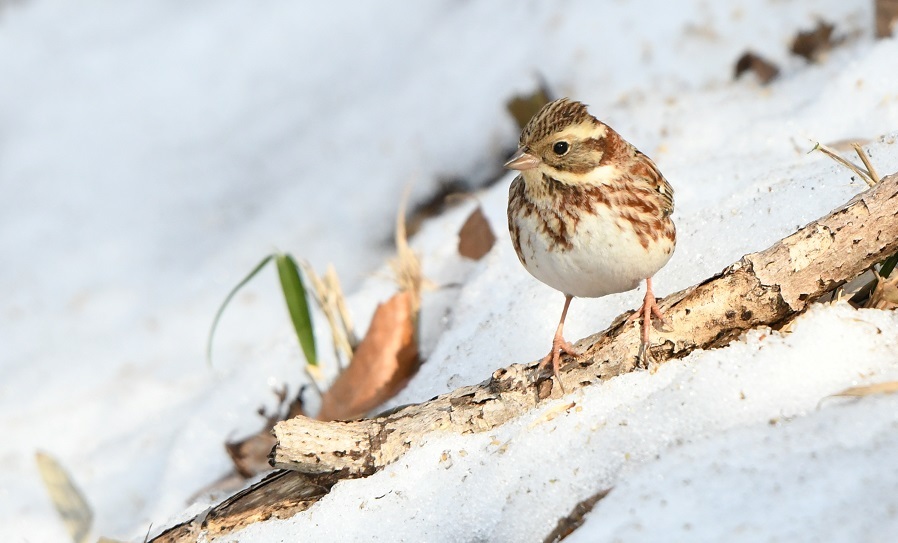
pixel 769 288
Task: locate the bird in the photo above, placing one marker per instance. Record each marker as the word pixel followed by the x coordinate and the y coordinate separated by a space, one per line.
pixel 588 214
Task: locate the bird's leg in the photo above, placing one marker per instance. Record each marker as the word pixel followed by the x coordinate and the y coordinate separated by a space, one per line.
pixel 649 308
pixel 559 346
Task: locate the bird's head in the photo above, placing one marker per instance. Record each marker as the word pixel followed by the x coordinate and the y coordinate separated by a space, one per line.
pixel 562 141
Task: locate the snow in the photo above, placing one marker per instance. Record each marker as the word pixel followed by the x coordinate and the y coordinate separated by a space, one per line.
pixel 152 153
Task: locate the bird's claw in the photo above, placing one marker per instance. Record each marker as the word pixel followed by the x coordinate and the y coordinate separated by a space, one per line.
pixel 559 347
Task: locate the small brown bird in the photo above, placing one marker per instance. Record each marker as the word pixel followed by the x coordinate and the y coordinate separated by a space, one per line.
pixel 589 215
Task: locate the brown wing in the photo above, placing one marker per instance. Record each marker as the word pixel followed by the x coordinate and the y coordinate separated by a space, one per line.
pixel 650 173
pixel 515 205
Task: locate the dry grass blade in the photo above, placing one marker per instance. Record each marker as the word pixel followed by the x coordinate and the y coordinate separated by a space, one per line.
pixel 383 363
pixel 68 500
pixel 871 171
pixel 329 297
pixel 888 387
pixel 862 173
pixel 339 301
pixel 406 266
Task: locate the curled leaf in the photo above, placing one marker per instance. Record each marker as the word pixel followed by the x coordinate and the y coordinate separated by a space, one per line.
pixel 384 361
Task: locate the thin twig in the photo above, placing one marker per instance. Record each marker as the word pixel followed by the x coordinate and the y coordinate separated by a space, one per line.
pixel 864 174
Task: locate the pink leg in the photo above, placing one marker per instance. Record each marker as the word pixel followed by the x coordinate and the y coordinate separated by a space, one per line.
pixel 559 346
pixel 649 308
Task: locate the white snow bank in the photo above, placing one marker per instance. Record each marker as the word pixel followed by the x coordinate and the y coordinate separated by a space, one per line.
pixel 724 444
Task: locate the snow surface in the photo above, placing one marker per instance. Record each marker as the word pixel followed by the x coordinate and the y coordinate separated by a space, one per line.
pixel 151 153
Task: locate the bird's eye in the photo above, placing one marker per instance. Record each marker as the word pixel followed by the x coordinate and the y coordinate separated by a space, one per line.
pixel 560 147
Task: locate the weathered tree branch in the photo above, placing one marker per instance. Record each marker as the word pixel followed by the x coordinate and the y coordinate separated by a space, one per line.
pixel 769 288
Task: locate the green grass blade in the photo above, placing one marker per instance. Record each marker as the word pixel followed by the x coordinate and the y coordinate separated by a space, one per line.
pixel 888 265
pixel 295 296
pixel 227 300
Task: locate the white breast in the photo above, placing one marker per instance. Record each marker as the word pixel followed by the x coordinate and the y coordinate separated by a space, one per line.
pixel 606 255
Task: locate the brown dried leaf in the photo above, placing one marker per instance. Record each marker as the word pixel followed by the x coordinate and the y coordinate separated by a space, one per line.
pixel 886 17
pixel 250 455
pixel 888 387
pixel 383 363
pixel 475 238
pixel 811 44
pixel 765 70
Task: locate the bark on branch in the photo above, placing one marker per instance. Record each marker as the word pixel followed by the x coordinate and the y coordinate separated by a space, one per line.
pixel 769 288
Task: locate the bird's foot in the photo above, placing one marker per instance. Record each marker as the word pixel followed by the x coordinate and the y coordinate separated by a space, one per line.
pixel 559 347
pixel 648 309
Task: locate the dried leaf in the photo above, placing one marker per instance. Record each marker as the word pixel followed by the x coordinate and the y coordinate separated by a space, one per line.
pixel 811 44
pixel 765 70
pixel 886 17
pixel 383 363
pixel 859 392
pixel 68 500
pixel 476 238
pixel 250 455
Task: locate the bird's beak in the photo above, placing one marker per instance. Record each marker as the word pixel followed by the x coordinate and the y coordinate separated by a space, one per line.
pixel 522 160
